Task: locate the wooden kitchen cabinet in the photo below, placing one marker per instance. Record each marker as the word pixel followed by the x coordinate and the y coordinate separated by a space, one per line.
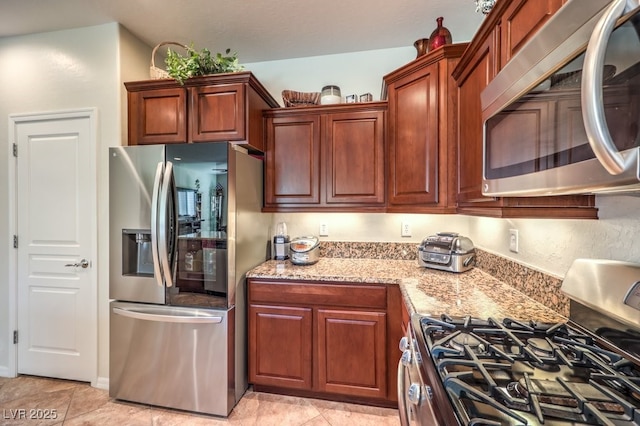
pixel 217 113
pixel 325 158
pixel 292 160
pixel 343 338
pixel 282 344
pixel 157 114
pixel 221 107
pixel 509 25
pixel 421 133
pixel 520 20
pixel 330 340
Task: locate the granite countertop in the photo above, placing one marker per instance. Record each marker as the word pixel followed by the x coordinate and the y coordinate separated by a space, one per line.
pixel 425 291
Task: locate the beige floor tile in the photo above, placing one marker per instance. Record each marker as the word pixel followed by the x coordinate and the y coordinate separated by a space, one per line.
pixel 76 403
pixel 86 399
pixel 265 409
pixel 23 386
pixel 113 413
pixel 46 408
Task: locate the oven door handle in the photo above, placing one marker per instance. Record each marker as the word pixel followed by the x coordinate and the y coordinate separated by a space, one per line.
pixel 593 115
pixel 402 397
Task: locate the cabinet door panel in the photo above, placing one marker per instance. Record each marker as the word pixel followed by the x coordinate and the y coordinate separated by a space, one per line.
pixel 293 160
pixel 280 349
pixel 217 113
pixel 470 125
pixel 157 116
pixel 521 20
pixel 413 143
pixel 352 353
pixel 354 145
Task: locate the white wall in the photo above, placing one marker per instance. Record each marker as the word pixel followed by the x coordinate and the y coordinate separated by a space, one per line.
pixel 58 71
pixel 355 73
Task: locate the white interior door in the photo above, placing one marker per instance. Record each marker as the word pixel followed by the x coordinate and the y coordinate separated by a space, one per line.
pixel 56 230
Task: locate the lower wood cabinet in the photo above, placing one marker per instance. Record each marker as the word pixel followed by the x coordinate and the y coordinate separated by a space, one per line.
pixel 281 344
pixel 330 340
pixel 351 352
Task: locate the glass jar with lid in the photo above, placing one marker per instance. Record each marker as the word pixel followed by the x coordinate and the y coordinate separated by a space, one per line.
pixel 330 95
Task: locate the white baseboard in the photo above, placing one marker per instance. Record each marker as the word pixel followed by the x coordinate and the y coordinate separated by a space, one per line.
pixel 5 371
pixel 101 383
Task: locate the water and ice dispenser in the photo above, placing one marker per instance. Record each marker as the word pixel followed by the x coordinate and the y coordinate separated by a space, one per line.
pixel 136 252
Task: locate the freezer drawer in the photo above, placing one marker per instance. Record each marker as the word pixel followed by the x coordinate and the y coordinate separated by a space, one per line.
pixel 171 357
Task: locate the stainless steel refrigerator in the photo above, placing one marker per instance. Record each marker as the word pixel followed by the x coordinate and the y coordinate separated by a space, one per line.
pixel 177 279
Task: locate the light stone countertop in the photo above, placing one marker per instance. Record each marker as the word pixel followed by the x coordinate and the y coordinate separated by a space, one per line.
pixel 425 291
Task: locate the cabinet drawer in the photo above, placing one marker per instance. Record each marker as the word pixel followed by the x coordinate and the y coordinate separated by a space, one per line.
pixel 347 295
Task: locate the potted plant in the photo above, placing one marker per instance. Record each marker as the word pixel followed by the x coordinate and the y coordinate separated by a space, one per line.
pixel 200 62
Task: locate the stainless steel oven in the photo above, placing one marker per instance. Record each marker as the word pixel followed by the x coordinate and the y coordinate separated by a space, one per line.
pixel 563 116
pixel 415 394
pixel 502 371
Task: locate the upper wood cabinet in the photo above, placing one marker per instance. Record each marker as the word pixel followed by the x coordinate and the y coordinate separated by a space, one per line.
pixel 421 133
pixel 519 21
pixel 325 157
pixel 222 107
pixel 504 31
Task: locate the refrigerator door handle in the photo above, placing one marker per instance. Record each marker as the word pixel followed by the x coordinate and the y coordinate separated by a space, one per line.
pixel 160 316
pixel 164 228
pixel 157 182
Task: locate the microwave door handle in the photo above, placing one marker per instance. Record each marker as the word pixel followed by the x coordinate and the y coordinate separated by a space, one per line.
pixel 592 106
pixel 157 183
pixel 163 227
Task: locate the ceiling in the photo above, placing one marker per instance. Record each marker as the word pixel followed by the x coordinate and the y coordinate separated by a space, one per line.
pixel 257 30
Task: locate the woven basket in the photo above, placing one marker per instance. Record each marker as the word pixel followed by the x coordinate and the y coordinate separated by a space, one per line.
pixel 157 73
pixel 292 98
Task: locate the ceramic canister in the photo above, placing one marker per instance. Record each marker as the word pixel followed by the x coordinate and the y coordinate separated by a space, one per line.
pixel 330 95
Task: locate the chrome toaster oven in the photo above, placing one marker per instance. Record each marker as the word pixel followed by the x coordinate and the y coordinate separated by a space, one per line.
pixel 447 251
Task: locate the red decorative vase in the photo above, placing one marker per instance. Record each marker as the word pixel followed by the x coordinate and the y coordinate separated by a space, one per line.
pixel 440 36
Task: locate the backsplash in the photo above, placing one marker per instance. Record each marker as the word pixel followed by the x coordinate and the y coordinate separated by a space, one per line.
pixel 539 286
pixel 369 250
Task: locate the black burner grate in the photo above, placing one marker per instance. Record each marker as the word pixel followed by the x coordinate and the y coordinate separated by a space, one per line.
pixel 513 372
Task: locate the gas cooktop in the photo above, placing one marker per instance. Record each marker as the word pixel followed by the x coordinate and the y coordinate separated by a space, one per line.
pixel 503 371
pixel 498 372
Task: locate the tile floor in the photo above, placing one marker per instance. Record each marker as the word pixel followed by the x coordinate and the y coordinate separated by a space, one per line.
pixel 75 403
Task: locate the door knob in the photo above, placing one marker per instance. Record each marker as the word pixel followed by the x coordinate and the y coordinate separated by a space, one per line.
pixel 84 263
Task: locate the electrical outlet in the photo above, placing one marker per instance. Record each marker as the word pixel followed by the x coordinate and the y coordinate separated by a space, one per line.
pixel 405 230
pixel 324 229
pixel 513 240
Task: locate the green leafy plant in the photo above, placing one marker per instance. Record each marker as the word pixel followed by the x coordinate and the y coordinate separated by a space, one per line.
pixel 201 62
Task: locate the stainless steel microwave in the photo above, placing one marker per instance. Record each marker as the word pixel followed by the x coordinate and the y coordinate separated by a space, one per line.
pixel 563 116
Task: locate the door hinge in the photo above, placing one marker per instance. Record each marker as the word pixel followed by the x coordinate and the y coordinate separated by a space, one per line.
pixel 15 337
pixel 15 241
pixel 15 149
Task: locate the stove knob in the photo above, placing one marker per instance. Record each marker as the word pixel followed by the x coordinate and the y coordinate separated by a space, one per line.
pixel 429 392
pixel 406 358
pixel 415 394
pixel 404 344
